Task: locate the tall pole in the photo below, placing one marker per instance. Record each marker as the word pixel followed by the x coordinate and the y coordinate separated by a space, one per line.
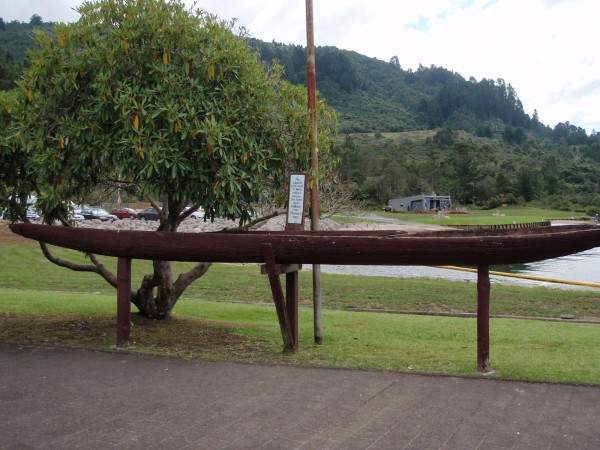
pixel 311 81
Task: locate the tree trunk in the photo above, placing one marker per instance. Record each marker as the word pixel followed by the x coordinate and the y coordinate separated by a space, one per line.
pixel 158 294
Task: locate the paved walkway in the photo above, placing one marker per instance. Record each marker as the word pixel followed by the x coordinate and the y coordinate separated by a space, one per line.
pixel 56 398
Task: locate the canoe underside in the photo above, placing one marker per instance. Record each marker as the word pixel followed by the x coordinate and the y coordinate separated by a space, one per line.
pixel 510 246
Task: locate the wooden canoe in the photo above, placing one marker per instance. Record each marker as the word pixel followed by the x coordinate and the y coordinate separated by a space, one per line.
pixel 453 247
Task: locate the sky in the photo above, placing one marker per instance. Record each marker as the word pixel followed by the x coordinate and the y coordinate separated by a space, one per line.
pixel 548 50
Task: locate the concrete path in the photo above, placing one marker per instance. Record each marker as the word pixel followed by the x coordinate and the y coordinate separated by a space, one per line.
pixel 62 399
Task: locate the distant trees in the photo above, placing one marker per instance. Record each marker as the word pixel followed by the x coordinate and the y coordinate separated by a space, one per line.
pixel 592 151
pixel 36 20
pixel 465 172
pixel 337 66
pixel 484 100
pixel 17 37
pixel 515 136
pixel 486 175
pixel 529 182
pixel 9 71
pixel 444 138
pixel 569 134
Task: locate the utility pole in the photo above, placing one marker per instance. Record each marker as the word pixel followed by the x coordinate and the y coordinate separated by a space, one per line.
pixel 311 80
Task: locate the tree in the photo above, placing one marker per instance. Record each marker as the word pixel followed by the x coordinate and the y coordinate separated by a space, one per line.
pixel 535 120
pixel 395 62
pixel 444 137
pixel 515 136
pixel 528 182
pixel 151 95
pixel 9 71
pixel 36 20
pixel 466 171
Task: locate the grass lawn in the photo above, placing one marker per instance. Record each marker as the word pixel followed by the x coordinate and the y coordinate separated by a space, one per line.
pixel 510 214
pixel 24 267
pixel 520 349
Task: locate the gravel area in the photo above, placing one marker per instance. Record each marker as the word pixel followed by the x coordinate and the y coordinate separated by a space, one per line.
pixel 198 225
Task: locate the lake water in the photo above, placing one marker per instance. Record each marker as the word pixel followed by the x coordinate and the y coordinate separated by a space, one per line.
pixel 583 267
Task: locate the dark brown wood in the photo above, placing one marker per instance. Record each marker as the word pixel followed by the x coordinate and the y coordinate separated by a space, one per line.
pixel 291 304
pixel 323 247
pixel 281 269
pixel 285 324
pixel 123 302
pixel 483 319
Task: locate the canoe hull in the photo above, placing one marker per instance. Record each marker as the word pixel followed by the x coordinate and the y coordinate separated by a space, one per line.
pixel 327 247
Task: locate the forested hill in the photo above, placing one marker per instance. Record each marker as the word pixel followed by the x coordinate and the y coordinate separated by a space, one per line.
pixel 373 95
pixel 369 94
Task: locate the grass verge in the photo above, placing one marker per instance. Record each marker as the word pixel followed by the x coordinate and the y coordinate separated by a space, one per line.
pixel 24 267
pixel 511 214
pixel 520 349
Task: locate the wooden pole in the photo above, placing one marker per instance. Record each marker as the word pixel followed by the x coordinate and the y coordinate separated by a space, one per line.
pixel 483 319
pixel 290 342
pixel 291 304
pixel 311 80
pixel 123 302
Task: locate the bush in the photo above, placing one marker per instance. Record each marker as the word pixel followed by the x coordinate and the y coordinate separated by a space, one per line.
pixel 494 202
pixel 559 203
pixel 592 211
pixel 510 199
pixel 501 200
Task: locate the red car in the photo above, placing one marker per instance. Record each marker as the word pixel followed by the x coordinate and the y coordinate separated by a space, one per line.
pixel 125 213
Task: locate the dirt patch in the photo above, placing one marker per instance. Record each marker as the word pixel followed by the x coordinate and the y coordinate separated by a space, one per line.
pixel 175 337
pixel 8 237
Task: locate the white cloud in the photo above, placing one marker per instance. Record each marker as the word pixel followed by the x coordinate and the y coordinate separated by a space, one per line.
pixel 545 48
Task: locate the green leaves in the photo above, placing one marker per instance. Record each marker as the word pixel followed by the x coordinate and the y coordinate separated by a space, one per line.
pixel 164 96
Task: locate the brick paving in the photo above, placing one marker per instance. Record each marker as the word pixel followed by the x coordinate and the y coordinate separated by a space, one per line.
pixel 63 399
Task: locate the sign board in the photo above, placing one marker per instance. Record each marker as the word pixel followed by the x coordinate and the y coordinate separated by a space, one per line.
pixel 296 201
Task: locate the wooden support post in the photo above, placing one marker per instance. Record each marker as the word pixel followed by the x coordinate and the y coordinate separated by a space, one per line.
pixel 291 304
pixel 483 320
pixel 123 302
pixel 288 328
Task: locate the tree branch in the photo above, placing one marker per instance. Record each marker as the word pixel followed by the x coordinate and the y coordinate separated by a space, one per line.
pixel 185 214
pixel 103 271
pixel 187 278
pixel 254 222
pixel 97 267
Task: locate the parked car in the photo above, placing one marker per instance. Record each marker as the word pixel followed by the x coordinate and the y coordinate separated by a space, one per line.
pixel 196 214
pixel 76 217
pixel 148 214
pixel 31 215
pixel 124 213
pixel 98 213
pixel 387 208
